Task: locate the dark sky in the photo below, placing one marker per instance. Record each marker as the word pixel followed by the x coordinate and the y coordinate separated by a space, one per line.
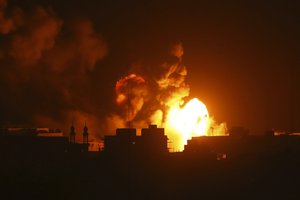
pixel 242 58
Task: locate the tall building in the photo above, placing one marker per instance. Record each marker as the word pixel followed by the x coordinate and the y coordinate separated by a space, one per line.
pixel 85 135
pixel 78 147
pixel 72 134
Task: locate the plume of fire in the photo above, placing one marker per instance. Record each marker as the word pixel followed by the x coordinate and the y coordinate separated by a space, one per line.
pixel 185 122
pixel 181 120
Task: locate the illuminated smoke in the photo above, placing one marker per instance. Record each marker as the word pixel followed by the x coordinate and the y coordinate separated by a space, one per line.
pixel 36 37
pixel 8 22
pixel 142 105
pixel 131 92
pixel 159 99
pixel 46 67
pixel 171 83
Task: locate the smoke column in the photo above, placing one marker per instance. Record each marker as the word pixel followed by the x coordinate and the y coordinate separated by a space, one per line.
pixel 148 98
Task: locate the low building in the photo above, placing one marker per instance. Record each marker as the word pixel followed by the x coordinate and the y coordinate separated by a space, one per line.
pixel 151 141
pixel 232 147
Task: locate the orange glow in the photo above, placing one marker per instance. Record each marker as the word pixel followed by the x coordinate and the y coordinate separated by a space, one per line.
pixel 124 85
pixel 183 123
pixel 181 120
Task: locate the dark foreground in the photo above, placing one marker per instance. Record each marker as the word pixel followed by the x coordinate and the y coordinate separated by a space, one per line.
pixel 172 176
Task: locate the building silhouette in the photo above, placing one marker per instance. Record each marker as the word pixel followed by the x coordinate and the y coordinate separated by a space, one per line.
pixel 42 163
pixel 85 135
pixel 151 141
pixel 241 145
pixel 72 134
pixel 75 147
pixel 32 142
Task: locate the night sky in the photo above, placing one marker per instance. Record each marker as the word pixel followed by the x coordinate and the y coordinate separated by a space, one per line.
pixel 60 60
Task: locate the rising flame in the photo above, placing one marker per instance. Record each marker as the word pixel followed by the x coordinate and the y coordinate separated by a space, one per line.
pixel 181 121
pixel 159 99
pixel 184 122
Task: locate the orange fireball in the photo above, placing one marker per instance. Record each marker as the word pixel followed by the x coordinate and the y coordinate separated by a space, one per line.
pixel 185 122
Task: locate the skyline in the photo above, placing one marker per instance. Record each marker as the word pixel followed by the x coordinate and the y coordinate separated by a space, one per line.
pixel 232 167
pixel 242 59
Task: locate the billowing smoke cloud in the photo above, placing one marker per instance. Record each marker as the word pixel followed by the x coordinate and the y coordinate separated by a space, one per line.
pixel 9 23
pixel 131 93
pixel 46 70
pixel 145 99
pixel 157 97
pixel 46 64
pixel 171 83
pixel 36 36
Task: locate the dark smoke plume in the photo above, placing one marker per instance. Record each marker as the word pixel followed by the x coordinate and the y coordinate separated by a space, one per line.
pixel 46 64
pixel 145 99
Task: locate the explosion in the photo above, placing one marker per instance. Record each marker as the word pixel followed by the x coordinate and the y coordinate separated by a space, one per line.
pixel 164 105
pixel 186 122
